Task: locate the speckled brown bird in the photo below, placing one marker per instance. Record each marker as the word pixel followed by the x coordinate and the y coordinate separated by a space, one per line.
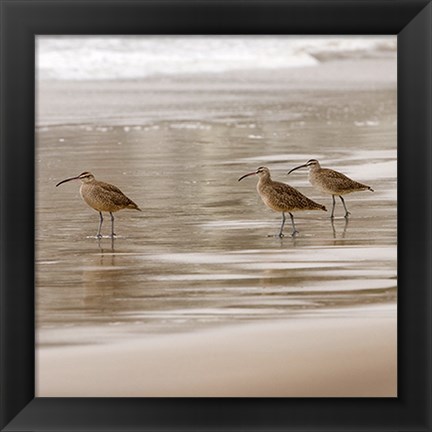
pixel 281 197
pixel 102 197
pixel 331 182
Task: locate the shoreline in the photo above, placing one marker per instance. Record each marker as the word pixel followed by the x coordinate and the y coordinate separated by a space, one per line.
pixel 119 102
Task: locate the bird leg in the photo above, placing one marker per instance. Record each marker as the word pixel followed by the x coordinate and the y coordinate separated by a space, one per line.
pixel 98 235
pixel 295 232
pixel 333 208
pixel 347 213
pixel 282 225
pixel 112 226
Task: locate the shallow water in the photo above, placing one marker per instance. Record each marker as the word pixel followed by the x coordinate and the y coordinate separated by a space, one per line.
pixel 199 254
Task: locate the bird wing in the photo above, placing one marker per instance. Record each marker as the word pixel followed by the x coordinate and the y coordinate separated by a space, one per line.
pixel 285 196
pixel 339 181
pixel 114 194
pixel 335 175
pixel 110 188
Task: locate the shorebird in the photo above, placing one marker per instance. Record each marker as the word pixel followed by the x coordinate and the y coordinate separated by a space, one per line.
pixel 331 182
pixel 281 197
pixel 102 197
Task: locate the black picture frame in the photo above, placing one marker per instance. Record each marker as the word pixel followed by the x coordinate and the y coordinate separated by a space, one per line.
pixel 21 21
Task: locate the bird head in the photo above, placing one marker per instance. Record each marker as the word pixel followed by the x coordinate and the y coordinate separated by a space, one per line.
pixel 261 172
pixel 311 163
pixel 85 177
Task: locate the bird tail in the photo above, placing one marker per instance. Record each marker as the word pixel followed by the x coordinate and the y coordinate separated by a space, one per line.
pixel 133 206
pixel 316 206
pixel 369 188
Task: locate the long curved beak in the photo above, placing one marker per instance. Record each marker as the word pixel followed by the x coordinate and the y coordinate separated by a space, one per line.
pixel 247 175
pixel 296 168
pixel 66 180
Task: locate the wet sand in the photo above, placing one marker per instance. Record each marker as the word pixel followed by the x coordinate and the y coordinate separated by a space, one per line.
pixel 193 298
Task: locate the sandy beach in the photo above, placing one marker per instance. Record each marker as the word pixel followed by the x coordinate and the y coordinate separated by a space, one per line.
pixel 327 357
pixel 193 298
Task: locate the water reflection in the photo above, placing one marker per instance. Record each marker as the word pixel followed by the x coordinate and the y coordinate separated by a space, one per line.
pixel 344 231
pixel 102 245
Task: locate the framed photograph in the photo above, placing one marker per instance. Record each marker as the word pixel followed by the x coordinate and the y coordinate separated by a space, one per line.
pixel 215 216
